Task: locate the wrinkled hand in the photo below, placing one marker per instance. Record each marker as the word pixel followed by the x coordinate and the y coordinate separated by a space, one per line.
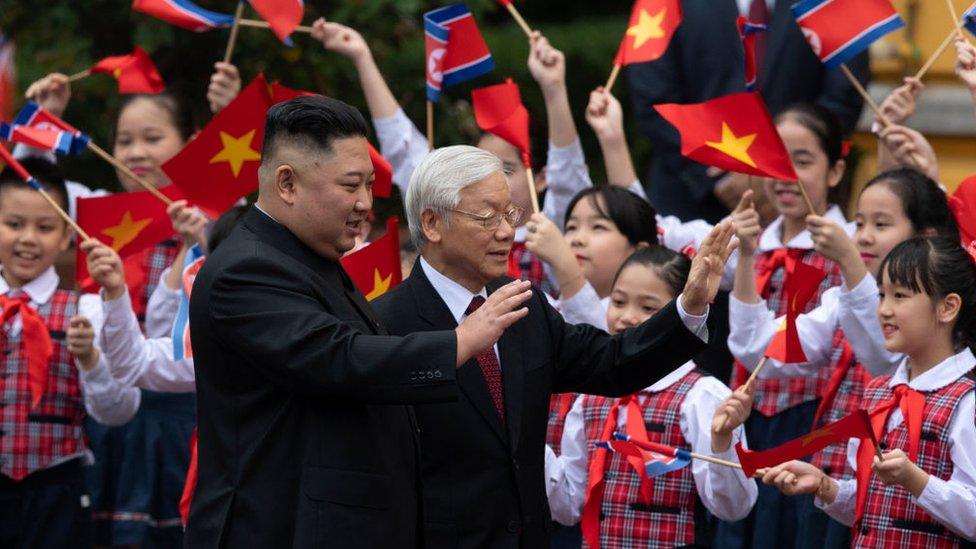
pixel 604 114
pixel 900 103
pixel 707 268
pixel 225 84
pixel 794 478
pixel 81 342
pixel 910 149
pixel 748 224
pixel 897 469
pixel 966 63
pixel 482 328
pixel 830 239
pixel 341 39
pixel 51 92
pixel 189 223
pixel 105 267
pixel 546 64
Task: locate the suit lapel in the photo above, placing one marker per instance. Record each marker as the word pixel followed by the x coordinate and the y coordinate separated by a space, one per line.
pixel 780 23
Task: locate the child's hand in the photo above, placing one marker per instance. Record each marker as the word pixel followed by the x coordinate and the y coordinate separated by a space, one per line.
pixel 729 415
pixel 796 477
pixel 830 240
pixel 81 342
pixel 900 103
pixel 105 267
pixel 341 39
pixel 910 149
pixel 189 223
pixel 896 468
pixel 51 92
pixel 225 84
pixel 605 115
pixel 966 63
pixel 747 224
pixel 546 63
pixel 548 244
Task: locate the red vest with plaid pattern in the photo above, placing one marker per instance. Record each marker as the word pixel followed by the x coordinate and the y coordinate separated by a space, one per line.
pixel 33 439
pixel 891 518
pixel 625 519
pixel 833 459
pixel 773 396
pixel 154 262
pixel 559 406
pixel 531 268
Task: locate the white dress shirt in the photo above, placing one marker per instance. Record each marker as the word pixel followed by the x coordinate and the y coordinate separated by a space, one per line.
pixel 138 361
pixel 162 307
pixel 106 400
pixel 744 6
pixel 951 502
pixel 725 491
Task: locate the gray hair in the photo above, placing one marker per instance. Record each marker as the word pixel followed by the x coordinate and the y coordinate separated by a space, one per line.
pixel 437 182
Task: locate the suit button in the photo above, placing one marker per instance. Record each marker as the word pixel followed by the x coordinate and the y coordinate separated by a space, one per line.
pixel 437 373
pixel 513 526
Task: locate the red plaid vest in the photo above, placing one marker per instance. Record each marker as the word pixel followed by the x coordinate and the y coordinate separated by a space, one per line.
pixel 626 520
pixel 33 439
pixel 158 258
pixel 891 518
pixel 530 268
pixel 773 396
pixel 559 406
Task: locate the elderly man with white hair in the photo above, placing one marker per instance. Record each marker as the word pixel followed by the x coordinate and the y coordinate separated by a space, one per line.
pixel 482 457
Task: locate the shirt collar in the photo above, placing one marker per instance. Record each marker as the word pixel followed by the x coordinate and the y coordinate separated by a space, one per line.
pixel 937 377
pixel 455 296
pixel 271 217
pixel 40 289
pixel 771 240
pixel 671 378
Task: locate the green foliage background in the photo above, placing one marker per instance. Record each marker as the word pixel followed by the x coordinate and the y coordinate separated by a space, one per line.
pixel 69 35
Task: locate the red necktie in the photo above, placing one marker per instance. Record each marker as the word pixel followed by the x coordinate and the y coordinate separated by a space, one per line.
pixel 911 403
pixel 490 368
pixel 844 365
pixel 759 14
pixel 36 339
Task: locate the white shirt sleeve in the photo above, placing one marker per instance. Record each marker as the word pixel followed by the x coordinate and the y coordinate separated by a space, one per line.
pixel 162 306
pixel 139 361
pixel 566 175
pixel 725 491
pixel 402 145
pixel 553 471
pixel 858 316
pixel 107 400
pixel 585 307
pixel 567 496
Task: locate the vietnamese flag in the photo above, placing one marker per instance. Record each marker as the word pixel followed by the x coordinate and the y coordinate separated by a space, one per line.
pixel 135 72
pixel 652 24
pixel 802 281
pixel 282 15
pixel 856 425
pixel 375 268
pixel 963 206
pixel 498 110
pixel 733 132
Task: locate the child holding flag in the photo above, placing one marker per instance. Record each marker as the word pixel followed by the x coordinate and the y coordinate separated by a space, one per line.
pixel 919 490
pixel 53 374
pixel 677 411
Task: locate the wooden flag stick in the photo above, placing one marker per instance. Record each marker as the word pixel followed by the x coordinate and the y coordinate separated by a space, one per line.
pixel 64 215
pixel 518 18
pixel 935 56
pixel 232 40
pixel 955 18
pixel 430 125
pixel 533 194
pixel 755 374
pixel 129 173
pixel 79 75
pixel 259 24
pixel 613 77
pixel 806 198
pixel 715 460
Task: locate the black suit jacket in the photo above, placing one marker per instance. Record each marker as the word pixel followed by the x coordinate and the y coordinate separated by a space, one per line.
pixel 705 60
pixel 304 440
pixel 483 482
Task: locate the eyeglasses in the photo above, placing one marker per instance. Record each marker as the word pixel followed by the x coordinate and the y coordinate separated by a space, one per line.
pixel 492 221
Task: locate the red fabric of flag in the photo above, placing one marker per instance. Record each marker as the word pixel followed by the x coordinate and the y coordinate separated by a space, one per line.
pixel 282 15
pixel 376 268
pixel 733 132
pixel 963 206
pixel 498 110
pixel 134 72
pixel 652 24
pixel 190 484
pixel 802 281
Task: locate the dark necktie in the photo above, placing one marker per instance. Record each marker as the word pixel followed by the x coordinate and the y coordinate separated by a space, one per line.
pixel 490 368
pixel 759 13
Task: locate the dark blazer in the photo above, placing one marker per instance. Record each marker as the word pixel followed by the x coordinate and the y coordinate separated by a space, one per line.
pixel 304 440
pixel 483 482
pixel 705 60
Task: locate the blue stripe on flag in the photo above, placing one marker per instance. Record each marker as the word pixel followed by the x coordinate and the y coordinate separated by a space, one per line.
pixel 26 114
pixel 447 13
pixel 862 41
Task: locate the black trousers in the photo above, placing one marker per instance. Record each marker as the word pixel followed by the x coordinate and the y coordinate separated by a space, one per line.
pixel 48 508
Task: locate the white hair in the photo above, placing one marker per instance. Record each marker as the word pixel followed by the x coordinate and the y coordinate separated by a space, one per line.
pixel 437 182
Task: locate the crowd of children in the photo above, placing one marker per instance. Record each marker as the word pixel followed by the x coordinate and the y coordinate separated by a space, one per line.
pixel 97 412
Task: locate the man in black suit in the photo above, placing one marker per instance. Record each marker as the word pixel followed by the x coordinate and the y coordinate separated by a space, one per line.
pixel 304 439
pixel 483 456
pixel 705 60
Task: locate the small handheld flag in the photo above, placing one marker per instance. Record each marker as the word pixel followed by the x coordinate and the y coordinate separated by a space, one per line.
pixel 383 174
pixel 456 52
pixel 802 281
pixel 838 30
pixel 135 72
pixel 282 16
pixel 747 33
pixel 34 116
pixel 652 24
pixel 375 269
pixel 499 110
pixel 184 14
pixel 56 141
pixel 658 458
pixel 969 19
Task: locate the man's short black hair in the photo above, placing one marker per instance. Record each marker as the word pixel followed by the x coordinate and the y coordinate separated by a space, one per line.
pixel 47 173
pixel 311 120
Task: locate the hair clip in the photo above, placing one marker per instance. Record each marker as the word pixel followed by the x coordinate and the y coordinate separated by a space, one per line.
pixel 971 250
pixel 845 148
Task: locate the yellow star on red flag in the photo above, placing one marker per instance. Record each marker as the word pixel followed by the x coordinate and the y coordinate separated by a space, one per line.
pixel 126 231
pixel 647 27
pixel 380 285
pixel 236 151
pixel 734 146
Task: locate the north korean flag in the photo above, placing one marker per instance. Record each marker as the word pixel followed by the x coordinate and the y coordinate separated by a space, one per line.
pixel 456 51
pixel 33 115
pixel 838 30
pixel 184 14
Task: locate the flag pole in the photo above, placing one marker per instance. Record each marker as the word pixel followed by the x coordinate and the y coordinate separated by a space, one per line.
pixel 806 198
pixel 745 388
pixel 533 194
pixel 873 106
pixel 79 75
pixel 64 215
pixel 14 165
pixel 232 40
pixel 955 18
pixel 259 24
pixel 613 77
pixel 430 125
pixel 518 18
pixel 129 173
pixel 935 56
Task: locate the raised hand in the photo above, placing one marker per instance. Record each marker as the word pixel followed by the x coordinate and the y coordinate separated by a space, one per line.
pixel 730 414
pixel 482 328
pixel 748 225
pixel 189 223
pixel 966 63
pixel 605 115
pixel 81 342
pixel 910 149
pixel 225 84
pixel 105 267
pixel 546 64
pixel 900 103
pixel 51 92
pixel 707 268
pixel 548 244
pixel 341 39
